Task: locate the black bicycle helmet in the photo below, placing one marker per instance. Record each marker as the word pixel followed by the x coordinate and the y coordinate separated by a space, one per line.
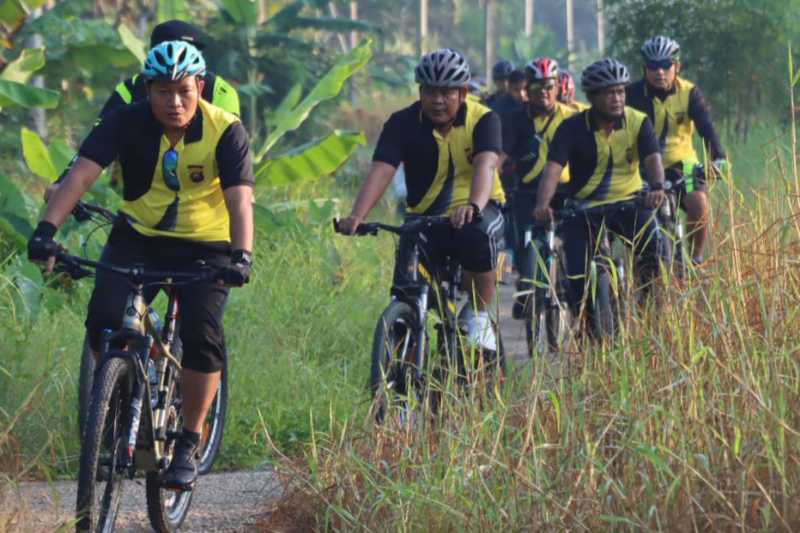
pixel 444 67
pixel 502 70
pixel 604 73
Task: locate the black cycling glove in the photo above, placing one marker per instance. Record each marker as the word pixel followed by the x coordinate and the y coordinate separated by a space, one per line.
pixel 238 272
pixel 41 245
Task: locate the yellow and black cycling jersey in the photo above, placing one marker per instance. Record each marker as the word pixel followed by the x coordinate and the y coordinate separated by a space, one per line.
pixel 438 167
pixel 675 114
pixel 604 167
pixel 526 140
pixel 579 107
pixel 216 91
pixel 214 154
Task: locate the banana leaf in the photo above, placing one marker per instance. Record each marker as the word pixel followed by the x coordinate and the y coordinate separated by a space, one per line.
pixel 172 9
pixel 132 42
pixel 37 156
pixel 328 87
pixel 13 93
pixel 309 162
pixel 21 69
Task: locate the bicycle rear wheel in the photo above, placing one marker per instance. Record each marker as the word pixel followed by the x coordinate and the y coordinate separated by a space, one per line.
pixel 99 480
pixel 85 382
pixel 393 350
pixel 168 509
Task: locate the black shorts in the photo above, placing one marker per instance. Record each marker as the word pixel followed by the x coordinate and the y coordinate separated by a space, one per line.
pixel 690 184
pixel 475 245
pixel 201 305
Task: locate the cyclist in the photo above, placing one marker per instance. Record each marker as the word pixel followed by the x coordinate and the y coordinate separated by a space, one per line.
pixel 449 148
pixel 517 86
pixel 566 91
pixel 187 190
pixel 500 73
pixel 527 141
pixel 676 107
pixel 604 146
pixel 215 90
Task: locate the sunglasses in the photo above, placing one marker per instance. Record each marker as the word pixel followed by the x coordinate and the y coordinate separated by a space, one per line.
pixel 664 64
pixel 547 87
pixel 169 170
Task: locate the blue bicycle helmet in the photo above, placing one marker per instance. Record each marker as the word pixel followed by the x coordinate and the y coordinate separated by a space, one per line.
pixel 173 61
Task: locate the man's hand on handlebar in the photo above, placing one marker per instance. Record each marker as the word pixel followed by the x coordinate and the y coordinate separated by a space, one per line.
pixel 463 215
pixel 42 247
pixel 349 225
pixel 654 198
pixel 543 213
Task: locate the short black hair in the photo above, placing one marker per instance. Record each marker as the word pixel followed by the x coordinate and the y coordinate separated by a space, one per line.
pixel 177 30
pixel 516 76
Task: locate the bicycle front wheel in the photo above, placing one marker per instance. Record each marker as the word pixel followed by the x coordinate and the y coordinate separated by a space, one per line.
pixel 99 478
pixel 214 426
pixel 393 352
pixel 85 383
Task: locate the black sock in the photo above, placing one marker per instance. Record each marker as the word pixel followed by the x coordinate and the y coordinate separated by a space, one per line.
pixel 191 437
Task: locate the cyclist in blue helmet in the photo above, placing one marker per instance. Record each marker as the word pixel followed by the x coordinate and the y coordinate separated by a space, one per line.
pixel 187 190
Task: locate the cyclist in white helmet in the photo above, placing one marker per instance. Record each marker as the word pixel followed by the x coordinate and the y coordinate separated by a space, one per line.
pixel 676 107
pixel 187 196
pixel 449 147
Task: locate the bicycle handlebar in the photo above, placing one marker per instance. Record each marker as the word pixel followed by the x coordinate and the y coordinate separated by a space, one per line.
pixel 415 225
pixel 76 268
pixel 83 212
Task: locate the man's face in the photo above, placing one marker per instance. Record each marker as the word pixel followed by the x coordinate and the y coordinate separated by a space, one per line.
pixel 518 92
pixel 610 102
pixel 661 74
pixel 441 104
pixel 174 103
pixel 542 94
pixel 500 86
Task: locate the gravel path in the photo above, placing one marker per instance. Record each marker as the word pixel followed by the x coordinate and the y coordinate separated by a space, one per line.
pixel 223 502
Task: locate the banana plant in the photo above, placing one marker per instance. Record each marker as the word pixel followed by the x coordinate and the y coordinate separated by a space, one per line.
pixel 14 89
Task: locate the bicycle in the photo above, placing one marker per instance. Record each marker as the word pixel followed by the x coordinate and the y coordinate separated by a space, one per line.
pixel 549 318
pixel 401 354
pixel 675 225
pixel 214 424
pixel 134 415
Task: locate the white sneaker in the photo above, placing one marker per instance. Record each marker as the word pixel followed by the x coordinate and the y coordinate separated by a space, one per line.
pixel 480 330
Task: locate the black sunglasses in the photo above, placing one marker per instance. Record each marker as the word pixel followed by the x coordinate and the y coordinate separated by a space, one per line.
pixel 664 64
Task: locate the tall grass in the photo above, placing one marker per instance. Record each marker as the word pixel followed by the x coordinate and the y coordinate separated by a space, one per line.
pixel 688 421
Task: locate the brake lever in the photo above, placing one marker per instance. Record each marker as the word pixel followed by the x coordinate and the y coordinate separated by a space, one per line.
pixel 74 271
pixel 80 213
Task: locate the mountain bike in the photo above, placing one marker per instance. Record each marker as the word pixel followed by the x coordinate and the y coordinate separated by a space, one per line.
pixel 134 415
pixel 214 424
pixel 674 224
pixel 402 370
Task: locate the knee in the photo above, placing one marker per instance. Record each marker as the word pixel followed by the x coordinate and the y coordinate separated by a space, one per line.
pixel 697 205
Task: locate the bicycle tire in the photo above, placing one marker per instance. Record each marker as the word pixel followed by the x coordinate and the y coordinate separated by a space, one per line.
pixel 167 509
pixel 214 425
pixel 389 375
pixel 85 382
pixel 543 321
pixel 602 308
pixel 110 403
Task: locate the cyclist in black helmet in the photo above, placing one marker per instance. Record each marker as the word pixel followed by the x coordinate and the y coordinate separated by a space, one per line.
pixel 500 73
pixel 604 147
pixel 449 147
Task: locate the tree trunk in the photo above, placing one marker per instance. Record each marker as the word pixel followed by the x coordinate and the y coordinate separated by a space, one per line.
pixel 570 35
pixel 38 114
pixel 491 36
pixel 354 37
pixel 601 28
pixel 339 36
pixel 528 18
pixel 422 33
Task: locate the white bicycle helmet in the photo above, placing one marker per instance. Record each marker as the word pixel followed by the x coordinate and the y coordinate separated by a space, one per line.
pixel 173 61
pixel 444 67
pixel 660 48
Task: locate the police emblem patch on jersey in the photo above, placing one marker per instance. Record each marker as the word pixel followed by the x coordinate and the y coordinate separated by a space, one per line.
pixel 629 155
pixel 468 153
pixel 196 173
pixel 680 118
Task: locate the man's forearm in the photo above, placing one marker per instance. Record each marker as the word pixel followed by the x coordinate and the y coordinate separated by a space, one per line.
pixel 240 211
pixel 82 174
pixel 378 179
pixel 483 180
pixel 548 184
pixel 655 170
